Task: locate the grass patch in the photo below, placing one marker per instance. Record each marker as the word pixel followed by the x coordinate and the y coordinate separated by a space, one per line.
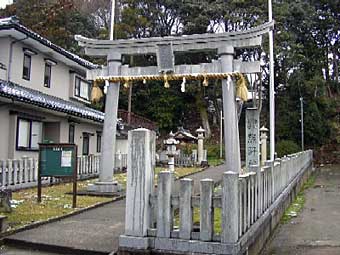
pixel 215 161
pixel 54 203
pixel 179 171
pixel 296 207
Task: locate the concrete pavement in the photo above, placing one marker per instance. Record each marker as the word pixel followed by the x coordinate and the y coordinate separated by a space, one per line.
pixel 316 230
pixel 95 231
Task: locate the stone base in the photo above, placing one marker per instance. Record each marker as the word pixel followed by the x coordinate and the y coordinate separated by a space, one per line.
pixel 105 187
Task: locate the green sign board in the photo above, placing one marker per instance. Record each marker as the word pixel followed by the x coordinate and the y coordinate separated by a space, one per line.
pixel 57 160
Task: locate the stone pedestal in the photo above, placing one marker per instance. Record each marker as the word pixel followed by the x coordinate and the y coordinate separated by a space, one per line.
pixel 105 187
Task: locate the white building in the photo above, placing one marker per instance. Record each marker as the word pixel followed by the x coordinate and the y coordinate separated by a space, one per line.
pixel 43 95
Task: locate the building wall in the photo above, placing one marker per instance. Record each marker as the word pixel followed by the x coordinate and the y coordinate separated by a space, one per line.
pixel 4 131
pixel 4 56
pixel 60 76
pixel 81 128
pixel 122 146
pixel 55 128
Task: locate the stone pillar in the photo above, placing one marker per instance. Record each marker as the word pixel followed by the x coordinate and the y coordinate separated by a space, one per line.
pixel 200 145
pixel 140 177
pixel 252 137
pixel 106 182
pixel 263 138
pixel 231 132
pixel 171 151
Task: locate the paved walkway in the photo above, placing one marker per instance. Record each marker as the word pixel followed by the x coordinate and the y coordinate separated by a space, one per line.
pixel 316 230
pixel 95 230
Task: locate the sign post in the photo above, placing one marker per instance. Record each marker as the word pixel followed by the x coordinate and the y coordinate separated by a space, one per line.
pixel 252 137
pixel 58 160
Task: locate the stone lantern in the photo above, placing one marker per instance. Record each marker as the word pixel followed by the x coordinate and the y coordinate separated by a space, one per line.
pixel 263 137
pixel 200 149
pixel 171 143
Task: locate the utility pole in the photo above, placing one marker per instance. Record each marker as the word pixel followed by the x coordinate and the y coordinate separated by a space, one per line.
pixel 271 85
pixel 302 128
pixel 112 23
pixel 221 134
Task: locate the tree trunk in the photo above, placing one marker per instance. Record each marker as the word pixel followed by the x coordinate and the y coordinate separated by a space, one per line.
pixel 203 113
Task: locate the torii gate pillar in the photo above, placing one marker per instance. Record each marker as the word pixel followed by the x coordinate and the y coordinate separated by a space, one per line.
pixel 106 182
pixel 231 133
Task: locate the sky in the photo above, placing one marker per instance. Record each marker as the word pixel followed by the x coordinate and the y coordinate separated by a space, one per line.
pixel 3 3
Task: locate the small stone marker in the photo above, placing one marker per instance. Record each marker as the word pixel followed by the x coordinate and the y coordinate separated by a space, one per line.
pixel 5 200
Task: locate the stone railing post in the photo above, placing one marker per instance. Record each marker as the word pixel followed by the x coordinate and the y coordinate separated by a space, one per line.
pixel 164 210
pixel 139 186
pixel 230 207
pixel 206 209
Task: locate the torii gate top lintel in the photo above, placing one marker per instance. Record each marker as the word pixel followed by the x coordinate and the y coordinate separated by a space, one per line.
pixel 209 41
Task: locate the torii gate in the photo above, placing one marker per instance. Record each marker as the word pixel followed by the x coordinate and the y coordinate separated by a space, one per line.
pixel 164 48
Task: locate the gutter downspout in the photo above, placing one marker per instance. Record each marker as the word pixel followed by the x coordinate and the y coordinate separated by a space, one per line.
pixel 11 56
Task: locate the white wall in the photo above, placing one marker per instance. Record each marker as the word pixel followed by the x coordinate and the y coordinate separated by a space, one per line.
pixel 4 131
pixel 80 128
pixel 122 146
pixel 60 76
pixel 4 56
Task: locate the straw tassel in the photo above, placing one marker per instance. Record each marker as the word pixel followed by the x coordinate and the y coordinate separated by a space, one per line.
pixel 166 82
pixel 205 81
pixel 183 85
pixel 96 93
pixel 241 88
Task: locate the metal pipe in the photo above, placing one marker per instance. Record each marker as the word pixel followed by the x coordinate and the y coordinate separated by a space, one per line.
pixel 221 134
pixel 112 23
pixel 302 128
pixel 271 85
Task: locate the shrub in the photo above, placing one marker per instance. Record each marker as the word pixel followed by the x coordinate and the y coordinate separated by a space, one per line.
pixel 213 150
pixel 286 147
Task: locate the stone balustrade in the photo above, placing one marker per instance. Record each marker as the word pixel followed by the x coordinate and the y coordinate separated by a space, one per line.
pixel 161 220
pixel 22 173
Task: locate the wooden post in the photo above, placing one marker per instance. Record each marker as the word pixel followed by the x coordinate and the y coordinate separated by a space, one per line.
pixel 3 171
pixel 75 175
pixel 185 208
pixel 231 132
pixel 230 204
pixel 140 183
pixel 39 178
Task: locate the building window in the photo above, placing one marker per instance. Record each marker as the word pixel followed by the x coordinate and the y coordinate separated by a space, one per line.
pixel 71 132
pixel 82 88
pixel 29 134
pixel 99 141
pixel 47 75
pixel 26 73
pixel 86 143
